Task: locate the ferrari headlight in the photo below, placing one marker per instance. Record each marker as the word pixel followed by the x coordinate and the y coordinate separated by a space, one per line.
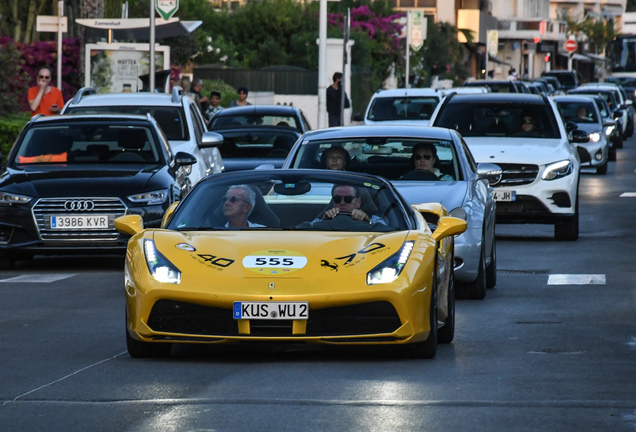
pixel 159 266
pixel 150 198
pixel 595 137
pixel 9 198
pixel 609 130
pixel 557 170
pixel 389 270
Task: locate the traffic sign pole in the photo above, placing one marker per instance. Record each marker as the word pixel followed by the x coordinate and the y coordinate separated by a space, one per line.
pixel 570 46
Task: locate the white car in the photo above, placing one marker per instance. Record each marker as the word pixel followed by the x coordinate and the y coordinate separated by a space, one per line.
pixel 402 106
pixel 177 114
pixel 541 168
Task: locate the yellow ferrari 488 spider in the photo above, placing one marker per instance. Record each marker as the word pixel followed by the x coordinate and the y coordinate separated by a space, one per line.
pixel 312 256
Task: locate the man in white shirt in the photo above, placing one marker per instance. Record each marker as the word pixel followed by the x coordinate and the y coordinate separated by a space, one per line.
pixel 238 203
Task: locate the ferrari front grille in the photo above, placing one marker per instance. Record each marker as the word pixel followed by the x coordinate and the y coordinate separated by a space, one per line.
pixel 45 208
pixel 170 316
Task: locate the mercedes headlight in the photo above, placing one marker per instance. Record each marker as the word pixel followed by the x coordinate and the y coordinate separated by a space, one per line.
pixel 389 270
pixel 9 198
pixel 557 170
pixel 159 266
pixel 595 137
pixel 150 198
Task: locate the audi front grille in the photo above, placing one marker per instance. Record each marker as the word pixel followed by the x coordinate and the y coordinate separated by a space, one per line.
pixel 48 207
pixel 517 174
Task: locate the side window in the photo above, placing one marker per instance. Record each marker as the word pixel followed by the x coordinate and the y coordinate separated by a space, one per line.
pixel 197 122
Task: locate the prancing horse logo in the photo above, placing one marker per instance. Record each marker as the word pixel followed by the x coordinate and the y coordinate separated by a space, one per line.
pixel 325 263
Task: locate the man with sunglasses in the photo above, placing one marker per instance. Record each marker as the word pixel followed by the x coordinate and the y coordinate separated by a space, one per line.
pixel 45 98
pixel 238 203
pixel 348 199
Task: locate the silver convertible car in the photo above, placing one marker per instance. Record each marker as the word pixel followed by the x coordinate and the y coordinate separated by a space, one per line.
pixel 425 165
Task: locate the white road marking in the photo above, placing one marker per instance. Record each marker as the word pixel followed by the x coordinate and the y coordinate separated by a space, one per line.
pixel 628 195
pixel 39 278
pixel 576 279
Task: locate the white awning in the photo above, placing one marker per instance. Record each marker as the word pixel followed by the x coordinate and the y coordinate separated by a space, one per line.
pixel 136 29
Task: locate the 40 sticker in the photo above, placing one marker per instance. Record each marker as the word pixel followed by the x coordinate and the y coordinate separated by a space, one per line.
pixel 215 262
pixel 274 261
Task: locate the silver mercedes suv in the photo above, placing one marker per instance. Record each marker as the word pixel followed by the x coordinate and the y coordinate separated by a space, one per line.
pixel 177 114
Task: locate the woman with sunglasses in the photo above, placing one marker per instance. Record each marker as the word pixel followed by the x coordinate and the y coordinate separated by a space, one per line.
pixel 45 98
pixel 423 161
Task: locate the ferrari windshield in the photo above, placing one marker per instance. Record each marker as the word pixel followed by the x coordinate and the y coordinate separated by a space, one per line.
pixel 298 200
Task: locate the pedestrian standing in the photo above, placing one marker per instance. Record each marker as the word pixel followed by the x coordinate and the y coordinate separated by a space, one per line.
pixel 45 98
pixel 334 100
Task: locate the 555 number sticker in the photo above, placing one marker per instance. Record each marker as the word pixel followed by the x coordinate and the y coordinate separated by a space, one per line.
pixel 274 261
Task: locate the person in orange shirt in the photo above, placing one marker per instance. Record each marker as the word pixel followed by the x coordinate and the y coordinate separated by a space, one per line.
pixel 45 98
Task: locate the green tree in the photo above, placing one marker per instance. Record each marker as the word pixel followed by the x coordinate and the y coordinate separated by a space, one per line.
pixel 442 55
pixel 598 32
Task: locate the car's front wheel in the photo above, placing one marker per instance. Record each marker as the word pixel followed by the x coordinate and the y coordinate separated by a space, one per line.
pixel 491 270
pixel 568 230
pixel 477 288
pixel 602 169
pixel 446 333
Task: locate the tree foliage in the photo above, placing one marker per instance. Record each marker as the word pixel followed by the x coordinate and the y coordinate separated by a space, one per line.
pixel 597 31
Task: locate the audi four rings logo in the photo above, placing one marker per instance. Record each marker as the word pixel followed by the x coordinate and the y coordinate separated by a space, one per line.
pixel 79 205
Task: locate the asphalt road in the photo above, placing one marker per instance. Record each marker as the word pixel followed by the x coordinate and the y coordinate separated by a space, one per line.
pixel 551 348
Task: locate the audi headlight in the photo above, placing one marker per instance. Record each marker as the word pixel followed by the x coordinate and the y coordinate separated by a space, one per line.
pixel 9 198
pixel 150 198
pixel 557 170
pixel 389 270
pixel 159 266
pixel 595 137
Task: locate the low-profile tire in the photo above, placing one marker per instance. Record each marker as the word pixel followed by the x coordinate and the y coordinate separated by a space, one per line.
pixel 446 334
pixel 138 349
pixel 568 230
pixel 602 169
pixel 477 288
pixel 619 142
pixel 491 270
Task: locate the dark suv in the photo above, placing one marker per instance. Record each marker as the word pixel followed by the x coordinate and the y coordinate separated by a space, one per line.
pixel 568 79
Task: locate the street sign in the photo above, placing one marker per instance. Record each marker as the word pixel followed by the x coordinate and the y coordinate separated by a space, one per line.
pixel 417 28
pixel 493 42
pixel 49 23
pixel 571 45
pixel 166 8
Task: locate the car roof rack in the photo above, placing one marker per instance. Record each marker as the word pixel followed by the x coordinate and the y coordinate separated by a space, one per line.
pixel 84 91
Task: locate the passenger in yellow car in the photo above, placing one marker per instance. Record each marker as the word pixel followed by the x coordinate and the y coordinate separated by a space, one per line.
pixel 238 203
